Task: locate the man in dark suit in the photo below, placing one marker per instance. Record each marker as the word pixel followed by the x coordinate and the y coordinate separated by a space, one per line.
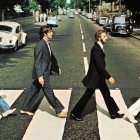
pixel 44 63
pixel 96 78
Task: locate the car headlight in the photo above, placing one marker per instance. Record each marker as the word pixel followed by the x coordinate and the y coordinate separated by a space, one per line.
pixel 131 27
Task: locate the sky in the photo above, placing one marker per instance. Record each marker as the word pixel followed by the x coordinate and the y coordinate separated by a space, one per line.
pixel 68 1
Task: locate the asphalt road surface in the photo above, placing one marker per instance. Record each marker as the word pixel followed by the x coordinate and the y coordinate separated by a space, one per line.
pixel 123 62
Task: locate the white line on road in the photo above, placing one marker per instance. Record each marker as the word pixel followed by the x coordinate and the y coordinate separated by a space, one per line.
pixel 86 65
pixel 45 125
pixel 81 31
pixel 82 37
pixel 10 95
pixel 84 47
pixel 116 129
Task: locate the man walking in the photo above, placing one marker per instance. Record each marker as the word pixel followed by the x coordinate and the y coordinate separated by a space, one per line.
pixel 96 78
pixel 44 63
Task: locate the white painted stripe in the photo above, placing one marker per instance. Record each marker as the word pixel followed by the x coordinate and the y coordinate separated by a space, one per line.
pixel 82 37
pixel 81 31
pixel 10 95
pixel 86 64
pixel 84 47
pixel 45 125
pixel 116 129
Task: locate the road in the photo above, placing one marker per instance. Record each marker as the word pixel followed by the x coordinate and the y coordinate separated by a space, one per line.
pixel 123 62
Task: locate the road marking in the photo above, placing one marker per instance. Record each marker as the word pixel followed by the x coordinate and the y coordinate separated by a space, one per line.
pixel 82 37
pixel 86 65
pixel 81 31
pixel 10 95
pixel 116 129
pixel 84 47
pixel 45 125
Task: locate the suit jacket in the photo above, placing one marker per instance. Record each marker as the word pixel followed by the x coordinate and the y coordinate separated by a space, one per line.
pixel 96 73
pixel 44 63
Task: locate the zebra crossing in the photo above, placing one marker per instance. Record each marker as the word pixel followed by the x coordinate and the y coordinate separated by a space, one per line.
pixel 46 126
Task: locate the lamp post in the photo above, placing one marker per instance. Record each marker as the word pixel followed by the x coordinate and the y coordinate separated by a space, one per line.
pixel 120 6
pixel 89 6
pixel 100 4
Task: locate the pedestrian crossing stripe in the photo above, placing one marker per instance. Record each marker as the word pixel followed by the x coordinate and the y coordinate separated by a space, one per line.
pixel 10 95
pixel 118 129
pixel 45 125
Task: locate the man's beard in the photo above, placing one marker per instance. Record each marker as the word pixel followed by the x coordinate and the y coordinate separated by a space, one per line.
pixel 103 42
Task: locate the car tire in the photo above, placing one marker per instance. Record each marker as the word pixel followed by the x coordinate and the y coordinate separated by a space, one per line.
pixel 15 47
pixel 25 41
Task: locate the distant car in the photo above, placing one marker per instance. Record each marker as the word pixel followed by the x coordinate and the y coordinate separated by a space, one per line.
pixel 102 20
pixel 76 13
pixel 107 25
pixel 52 21
pixel 89 15
pixel 71 15
pixel 11 35
pixel 84 13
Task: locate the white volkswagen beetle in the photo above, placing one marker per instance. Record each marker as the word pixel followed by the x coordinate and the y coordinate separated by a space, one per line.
pixel 11 35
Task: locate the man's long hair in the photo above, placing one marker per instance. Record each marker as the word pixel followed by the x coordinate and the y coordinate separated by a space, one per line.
pixel 98 34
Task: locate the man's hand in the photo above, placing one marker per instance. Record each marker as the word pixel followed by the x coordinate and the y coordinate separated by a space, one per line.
pixel 41 81
pixel 111 80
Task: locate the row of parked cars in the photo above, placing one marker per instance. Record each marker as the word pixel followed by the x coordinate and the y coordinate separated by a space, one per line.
pixel 117 25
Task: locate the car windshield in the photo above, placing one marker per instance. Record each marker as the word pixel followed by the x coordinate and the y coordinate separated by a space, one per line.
pixel 119 20
pixel 103 18
pixel 5 28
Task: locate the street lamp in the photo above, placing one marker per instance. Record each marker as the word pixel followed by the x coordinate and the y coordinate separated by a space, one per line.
pixel 100 4
pixel 89 6
pixel 120 6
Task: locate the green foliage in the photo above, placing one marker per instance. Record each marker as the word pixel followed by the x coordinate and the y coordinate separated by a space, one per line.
pixel 33 4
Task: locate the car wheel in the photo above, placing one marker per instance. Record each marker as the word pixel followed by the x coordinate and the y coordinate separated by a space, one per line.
pixel 25 41
pixel 16 47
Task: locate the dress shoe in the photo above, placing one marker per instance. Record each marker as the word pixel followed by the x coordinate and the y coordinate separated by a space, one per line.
pixel 61 114
pixel 26 112
pixel 9 112
pixel 73 117
pixel 117 115
pixel 131 118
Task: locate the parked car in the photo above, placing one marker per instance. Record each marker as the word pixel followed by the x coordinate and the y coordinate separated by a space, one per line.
pixel 107 25
pixel 11 35
pixel 102 20
pixel 89 15
pixel 122 24
pixel 70 15
pixel 52 21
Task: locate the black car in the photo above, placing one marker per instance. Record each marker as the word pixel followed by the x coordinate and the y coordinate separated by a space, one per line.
pixel 121 24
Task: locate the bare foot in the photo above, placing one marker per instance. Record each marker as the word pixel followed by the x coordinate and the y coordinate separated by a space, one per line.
pixel 26 112
pixel 61 114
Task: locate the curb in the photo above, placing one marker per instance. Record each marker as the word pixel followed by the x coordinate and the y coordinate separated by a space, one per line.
pixel 135 37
